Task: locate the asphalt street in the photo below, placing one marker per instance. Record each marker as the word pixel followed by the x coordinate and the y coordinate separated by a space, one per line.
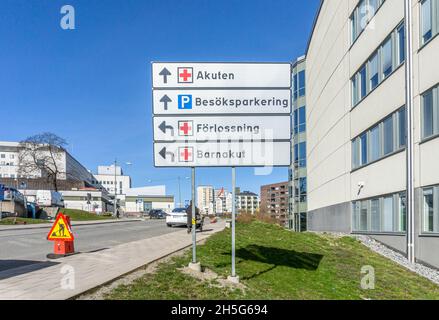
pixel 23 247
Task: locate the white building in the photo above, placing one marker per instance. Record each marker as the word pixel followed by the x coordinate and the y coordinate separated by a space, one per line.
pixel 247 202
pixel 142 200
pixel 206 200
pixel 68 166
pixel 223 201
pixel 356 120
pixel 91 200
pixel 113 179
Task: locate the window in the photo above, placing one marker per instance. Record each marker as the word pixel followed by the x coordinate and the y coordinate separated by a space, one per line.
pixel 375 144
pixel 384 138
pixel 361 16
pixel 426 21
pixel 428 112
pixel 386 58
pixel 300 120
pixel 363 82
pixel 388 135
pixel 402 213
pixel 301 83
pixel 363 148
pixel 379 214
pixel 401 44
pixel 302 155
pixel 402 126
pixel 388 214
pixel 375 215
pixel 428 211
pixel 380 65
pixel 373 71
pixel 364 216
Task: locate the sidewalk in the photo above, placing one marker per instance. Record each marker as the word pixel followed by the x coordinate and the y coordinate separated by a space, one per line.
pixel 68 277
pixel 74 223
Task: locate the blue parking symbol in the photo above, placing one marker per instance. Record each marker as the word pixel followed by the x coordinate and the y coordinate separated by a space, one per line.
pixel 185 102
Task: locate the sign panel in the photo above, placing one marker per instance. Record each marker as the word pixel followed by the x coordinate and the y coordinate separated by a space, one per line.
pixel 183 102
pixel 196 128
pixel 221 75
pixel 222 154
pixel 60 229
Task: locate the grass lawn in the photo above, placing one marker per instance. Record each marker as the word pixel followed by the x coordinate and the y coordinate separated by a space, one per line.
pixel 79 215
pixel 274 263
pixel 10 221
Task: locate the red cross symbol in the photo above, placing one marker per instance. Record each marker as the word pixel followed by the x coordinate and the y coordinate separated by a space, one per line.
pixel 186 154
pixel 185 128
pixel 185 75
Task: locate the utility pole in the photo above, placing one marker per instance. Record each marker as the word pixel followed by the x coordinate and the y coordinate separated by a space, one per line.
pixel 115 186
pixel 410 206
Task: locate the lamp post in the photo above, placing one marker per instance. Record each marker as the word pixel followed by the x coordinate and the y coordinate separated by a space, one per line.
pixel 115 185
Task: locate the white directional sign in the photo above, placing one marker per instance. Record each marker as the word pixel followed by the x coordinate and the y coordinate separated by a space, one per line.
pixel 181 102
pixel 223 154
pixel 227 128
pixel 221 114
pixel 221 75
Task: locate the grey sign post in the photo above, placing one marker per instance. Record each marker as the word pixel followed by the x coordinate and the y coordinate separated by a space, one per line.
pixel 219 114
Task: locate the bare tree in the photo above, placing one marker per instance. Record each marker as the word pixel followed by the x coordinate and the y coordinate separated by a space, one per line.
pixel 42 154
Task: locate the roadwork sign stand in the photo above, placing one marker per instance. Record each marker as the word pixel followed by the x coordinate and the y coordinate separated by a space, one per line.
pixel 62 235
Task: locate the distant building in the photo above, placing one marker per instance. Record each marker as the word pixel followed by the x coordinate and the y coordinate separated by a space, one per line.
pixel 113 179
pixel 144 199
pixel 274 201
pixel 206 199
pixel 223 201
pixel 247 202
pixel 72 172
pixel 88 199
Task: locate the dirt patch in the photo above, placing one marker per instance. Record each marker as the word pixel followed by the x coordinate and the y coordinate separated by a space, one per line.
pixel 212 278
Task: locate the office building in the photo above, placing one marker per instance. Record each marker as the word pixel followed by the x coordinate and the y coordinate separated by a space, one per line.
pixel 206 200
pixel 356 122
pixel 297 173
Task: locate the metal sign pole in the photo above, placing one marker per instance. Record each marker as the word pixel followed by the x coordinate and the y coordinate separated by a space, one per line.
pixel 194 221
pixel 233 219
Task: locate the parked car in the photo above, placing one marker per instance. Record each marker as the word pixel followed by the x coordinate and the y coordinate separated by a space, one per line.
pixel 157 214
pixel 178 217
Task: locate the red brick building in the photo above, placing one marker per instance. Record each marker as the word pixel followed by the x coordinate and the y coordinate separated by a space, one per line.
pixel 274 201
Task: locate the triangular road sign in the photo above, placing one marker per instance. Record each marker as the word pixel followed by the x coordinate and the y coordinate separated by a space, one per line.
pixel 60 229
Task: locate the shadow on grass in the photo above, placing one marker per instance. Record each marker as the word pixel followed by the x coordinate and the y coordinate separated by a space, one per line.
pixel 278 257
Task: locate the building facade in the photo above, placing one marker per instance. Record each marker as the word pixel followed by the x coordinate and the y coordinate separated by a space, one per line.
pixel 113 179
pixel 69 168
pixel 298 171
pixel 274 201
pixel 223 201
pixel 206 200
pixel 247 202
pixel 356 122
pixel 139 201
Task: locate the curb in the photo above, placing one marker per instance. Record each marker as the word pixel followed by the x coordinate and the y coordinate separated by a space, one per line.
pixel 44 225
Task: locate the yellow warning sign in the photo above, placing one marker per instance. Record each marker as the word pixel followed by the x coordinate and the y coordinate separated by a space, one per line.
pixel 60 229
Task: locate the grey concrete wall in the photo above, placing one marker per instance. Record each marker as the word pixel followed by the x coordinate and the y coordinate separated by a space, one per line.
pixel 335 218
pixel 428 250
pixel 395 242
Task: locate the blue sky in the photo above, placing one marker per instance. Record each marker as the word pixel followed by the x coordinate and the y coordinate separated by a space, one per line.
pixel 92 85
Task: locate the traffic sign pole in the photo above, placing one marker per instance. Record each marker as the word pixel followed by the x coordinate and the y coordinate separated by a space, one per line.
pixel 194 221
pixel 233 219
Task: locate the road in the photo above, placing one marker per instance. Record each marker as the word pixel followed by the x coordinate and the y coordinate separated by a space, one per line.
pixel 23 247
